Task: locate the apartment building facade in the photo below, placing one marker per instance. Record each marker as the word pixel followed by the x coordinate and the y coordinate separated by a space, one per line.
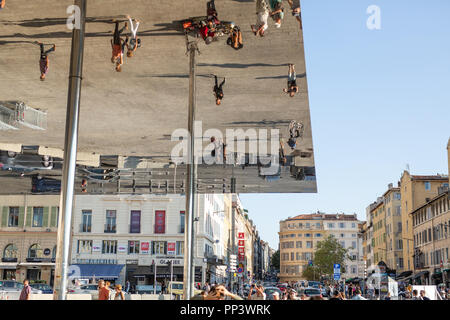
pixel 144 233
pixel 299 237
pixel 415 191
pixel 28 232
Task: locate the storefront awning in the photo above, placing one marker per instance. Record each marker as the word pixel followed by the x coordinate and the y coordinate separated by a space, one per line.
pixel 99 271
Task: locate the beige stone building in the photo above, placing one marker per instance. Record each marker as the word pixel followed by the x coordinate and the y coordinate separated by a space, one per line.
pixel 299 237
pixel 28 232
pixel 386 243
pixel 431 234
pixel 431 224
pixel 415 191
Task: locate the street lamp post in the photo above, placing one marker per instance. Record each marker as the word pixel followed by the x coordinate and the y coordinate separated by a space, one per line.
pixel 188 288
pixel 70 154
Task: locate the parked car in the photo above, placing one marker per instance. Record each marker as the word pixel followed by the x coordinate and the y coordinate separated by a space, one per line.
pixel 313 284
pixel 40 184
pixel 148 289
pixel 176 288
pixel 26 161
pixel 269 292
pixel 14 286
pixel 45 288
pixel 309 292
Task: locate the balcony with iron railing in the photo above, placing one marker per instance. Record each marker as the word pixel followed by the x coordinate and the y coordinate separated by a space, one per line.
pixel 110 228
pixel 85 228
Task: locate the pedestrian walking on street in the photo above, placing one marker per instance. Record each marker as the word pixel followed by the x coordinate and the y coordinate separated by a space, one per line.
pixel 118 46
pixel 415 295
pixel 262 14
pixel 103 291
pixel 43 61
pixel 127 286
pixel 292 87
pixel 134 42
pixel 277 12
pixel 119 295
pixel 25 294
pixel 296 11
pixel 218 90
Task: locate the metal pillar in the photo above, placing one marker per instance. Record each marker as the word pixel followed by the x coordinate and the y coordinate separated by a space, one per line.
pixel 188 276
pixel 70 156
pixel 233 226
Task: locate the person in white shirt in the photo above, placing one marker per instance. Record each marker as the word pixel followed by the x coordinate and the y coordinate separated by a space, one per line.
pixel 133 43
pixel 262 14
pixel 259 295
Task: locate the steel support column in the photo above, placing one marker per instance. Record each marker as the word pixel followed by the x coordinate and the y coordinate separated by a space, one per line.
pixel 189 241
pixel 70 155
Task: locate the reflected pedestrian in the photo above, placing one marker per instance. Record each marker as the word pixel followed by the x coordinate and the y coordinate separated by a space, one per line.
pixel 118 46
pixel 135 42
pixel 218 90
pixel 277 12
pixel 296 11
pixel 262 14
pixel 43 61
pixel 292 87
pixel 25 294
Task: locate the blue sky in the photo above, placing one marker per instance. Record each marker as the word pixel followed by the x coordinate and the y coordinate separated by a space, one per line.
pixel 379 100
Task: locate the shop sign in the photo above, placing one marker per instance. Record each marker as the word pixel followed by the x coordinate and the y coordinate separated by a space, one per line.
pixel 145 246
pixel 171 248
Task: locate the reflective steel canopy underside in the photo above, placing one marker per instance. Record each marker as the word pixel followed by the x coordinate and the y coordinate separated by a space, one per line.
pixel 132 114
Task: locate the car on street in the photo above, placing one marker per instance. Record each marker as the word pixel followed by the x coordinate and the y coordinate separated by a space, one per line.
pixel 176 288
pixel 269 292
pixel 42 184
pixel 147 289
pixel 309 292
pixel 27 161
pixel 14 286
pixel 45 288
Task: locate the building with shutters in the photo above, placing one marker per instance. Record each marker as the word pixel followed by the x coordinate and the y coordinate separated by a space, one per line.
pixel 28 232
pixel 299 236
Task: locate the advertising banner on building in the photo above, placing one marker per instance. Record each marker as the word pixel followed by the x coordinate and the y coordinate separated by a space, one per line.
pixel 171 248
pixel 122 249
pixel 96 249
pixel 241 235
pixel 145 246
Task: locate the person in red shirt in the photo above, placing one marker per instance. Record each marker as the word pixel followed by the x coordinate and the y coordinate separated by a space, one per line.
pixel 103 291
pixel 2 4
pixel 118 46
pixel 43 62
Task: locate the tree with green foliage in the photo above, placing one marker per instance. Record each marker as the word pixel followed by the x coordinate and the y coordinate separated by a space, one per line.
pixel 275 260
pixel 328 252
pixel 311 273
